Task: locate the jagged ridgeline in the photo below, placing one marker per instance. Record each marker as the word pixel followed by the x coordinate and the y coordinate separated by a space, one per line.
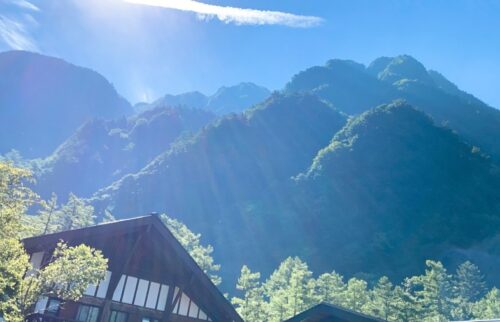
pixel 227 99
pixel 103 151
pixel 354 88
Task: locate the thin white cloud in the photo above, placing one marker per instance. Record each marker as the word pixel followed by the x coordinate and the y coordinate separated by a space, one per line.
pixel 239 16
pixel 14 35
pixel 15 24
pixel 25 4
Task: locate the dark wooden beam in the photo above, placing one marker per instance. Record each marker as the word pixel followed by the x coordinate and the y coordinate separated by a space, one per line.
pixel 117 274
pixel 171 305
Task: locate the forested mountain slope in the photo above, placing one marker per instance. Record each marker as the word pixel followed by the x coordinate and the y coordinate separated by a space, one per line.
pixel 218 180
pixel 390 190
pixel 354 88
pixel 102 151
pixel 41 94
pixel 393 189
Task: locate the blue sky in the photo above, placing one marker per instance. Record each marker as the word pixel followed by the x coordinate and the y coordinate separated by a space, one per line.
pixel 148 51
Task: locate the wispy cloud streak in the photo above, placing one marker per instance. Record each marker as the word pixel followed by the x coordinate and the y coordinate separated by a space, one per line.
pixel 15 24
pixel 238 16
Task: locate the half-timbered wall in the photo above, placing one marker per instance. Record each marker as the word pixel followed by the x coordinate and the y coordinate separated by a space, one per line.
pixel 150 277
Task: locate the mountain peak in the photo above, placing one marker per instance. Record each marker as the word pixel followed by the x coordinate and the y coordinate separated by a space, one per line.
pixel 394 69
pixel 39 93
pixel 344 63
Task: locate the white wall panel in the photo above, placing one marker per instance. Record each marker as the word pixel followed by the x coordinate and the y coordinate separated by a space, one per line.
pixel 202 315
pixel 36 262
pixel 176 308
pixel 103 286
pixel 154 290
pixel 36 259
pixel 142 291
pixel 41 304
pixel 117 294
pixel 162 301
pixel 91 289
pixel 184 305
pixel 128 293
pixel 193 310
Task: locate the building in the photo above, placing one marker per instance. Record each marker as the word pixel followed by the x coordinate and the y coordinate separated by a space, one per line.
pixel 331 313
pixel 150 277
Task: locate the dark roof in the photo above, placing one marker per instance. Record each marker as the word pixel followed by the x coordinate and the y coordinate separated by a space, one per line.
pixel 325 312
pixel 224 308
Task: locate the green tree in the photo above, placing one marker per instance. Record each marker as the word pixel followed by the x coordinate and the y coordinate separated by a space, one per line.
pixel 252 307
pixel 356 296
pixel 15 199
pixel 46 215
pixel 405 305
pixel 76 213
pixel 14 262
pixel 489 306
pixel 192 243
pixel 67 276
pixel 469 282
pixel 434 291
pixel 290 289
pixel 107 217
pixel 329 288
pixel 382 299
pixel 469 287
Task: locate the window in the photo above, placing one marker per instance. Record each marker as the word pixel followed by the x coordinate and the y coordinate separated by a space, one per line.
pixel 149 320
pixel 87 313
pixel 53 306
pixel 117 316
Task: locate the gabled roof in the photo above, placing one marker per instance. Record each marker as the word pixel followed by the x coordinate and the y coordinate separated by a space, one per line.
pixel 222 310
pixel 325 312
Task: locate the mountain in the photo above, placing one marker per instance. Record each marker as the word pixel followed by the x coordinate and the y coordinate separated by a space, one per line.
pixel 41 94
pixel 190 99
pixel 232 99
pixel 217 180
pixel 354 88
pixel 403 189
pixel 102 151
pixel 368 170
pixel 285 179
pixel 345 84
pixel 235 99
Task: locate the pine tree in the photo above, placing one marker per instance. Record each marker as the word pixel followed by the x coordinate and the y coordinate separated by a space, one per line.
pixel 47 214
pixel 469 282
pixel 382 299
pixel 192 243
pixel 434 291
pixel 252 306
pixel 107 217
pixel 289 289
pixel 76 213
pixel 489 306
pixel 329 288
pixel 405 305
pixel 469 286
pixel 356 296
